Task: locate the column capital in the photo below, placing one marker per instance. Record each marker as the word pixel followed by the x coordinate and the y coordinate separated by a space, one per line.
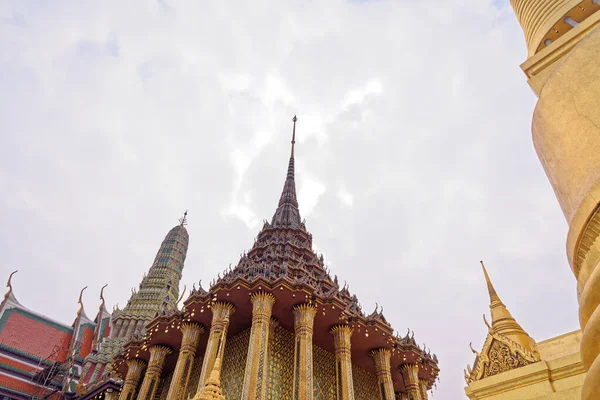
pixel 222 309
pixel 381 359
pixel 158 353
pixel 304 315
pixel 410 374
pixel 136 366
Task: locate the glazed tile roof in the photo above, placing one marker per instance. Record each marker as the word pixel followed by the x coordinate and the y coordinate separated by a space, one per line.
pixel 32 336
pixel 23 387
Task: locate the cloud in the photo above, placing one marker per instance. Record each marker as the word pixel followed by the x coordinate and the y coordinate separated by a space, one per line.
pixel 414 157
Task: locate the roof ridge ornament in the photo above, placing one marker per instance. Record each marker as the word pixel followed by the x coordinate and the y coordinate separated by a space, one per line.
pixel 9 284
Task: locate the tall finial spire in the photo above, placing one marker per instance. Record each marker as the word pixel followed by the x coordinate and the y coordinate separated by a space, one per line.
pixel 183 220
pixel 294 135
pixel 494 299
pixel 287 213
pixel 502 320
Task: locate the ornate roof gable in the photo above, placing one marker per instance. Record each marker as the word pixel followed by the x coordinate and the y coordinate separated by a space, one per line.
pixel 499 354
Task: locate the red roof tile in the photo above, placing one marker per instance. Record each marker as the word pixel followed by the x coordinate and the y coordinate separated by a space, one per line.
pixel 31 335
pixel 17 365
pixel 25 387
pixel 86 338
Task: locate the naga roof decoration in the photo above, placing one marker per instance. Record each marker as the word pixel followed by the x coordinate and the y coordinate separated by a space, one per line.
pixel 507 345
pixel 283 263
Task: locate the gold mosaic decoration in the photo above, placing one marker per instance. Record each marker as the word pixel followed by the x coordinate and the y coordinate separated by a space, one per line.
pixel 194 377
pixel 234 364
pixel 365 384
pixel 163 390
pixel 280 378
pixel 324 384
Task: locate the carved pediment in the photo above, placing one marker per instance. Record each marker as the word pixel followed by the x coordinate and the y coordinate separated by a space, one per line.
pixel 499 354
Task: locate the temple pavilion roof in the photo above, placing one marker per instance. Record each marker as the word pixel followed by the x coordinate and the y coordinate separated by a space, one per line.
pixel 283 263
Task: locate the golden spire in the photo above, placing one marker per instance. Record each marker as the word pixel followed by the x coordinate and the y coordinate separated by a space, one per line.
pixel 503 322
pixel 494 299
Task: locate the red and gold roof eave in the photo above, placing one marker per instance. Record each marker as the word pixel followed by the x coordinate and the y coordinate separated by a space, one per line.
pixel 370 332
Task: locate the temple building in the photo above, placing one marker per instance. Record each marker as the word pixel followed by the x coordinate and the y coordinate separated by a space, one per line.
pixel 511 365
pixel 275 326
pixel 563 69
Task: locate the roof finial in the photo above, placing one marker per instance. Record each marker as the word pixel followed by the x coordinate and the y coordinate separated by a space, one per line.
pixel 9 284
pixel 294 135
pixel 183 220
pixel 80 301
pixel 102 293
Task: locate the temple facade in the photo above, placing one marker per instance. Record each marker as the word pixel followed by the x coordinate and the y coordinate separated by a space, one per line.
pixel 275 326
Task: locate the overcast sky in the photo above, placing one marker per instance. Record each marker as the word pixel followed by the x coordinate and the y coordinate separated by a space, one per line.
pixel 414 156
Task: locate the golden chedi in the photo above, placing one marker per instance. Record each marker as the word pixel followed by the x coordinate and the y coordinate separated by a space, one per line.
pixel 563 68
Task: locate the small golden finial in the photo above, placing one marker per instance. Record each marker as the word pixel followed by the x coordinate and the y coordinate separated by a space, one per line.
pixel 487 323
pixel 9 284
pixel 294 135
pixel 80 301
pixel 473 350
pixel 183 220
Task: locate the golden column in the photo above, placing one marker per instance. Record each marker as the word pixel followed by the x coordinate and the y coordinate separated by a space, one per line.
pixel 181 376
pixel 135 368
pixel 304 317
pixel 410 374
pixel 343 363
pixel 111 395
pixel 256 362
pixel 158 355
pixel 221 311
pixel 383 370
pixel 423 387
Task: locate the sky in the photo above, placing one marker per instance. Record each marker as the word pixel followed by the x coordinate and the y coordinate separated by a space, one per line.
pixel 414 157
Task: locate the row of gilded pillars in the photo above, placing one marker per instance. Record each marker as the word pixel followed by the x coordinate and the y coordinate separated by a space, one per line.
pixel 254 386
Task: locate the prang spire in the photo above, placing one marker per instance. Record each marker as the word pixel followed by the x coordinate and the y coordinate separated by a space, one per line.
pixel 287 213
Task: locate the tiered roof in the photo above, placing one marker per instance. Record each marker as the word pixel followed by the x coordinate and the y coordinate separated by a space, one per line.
pixel 282 262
